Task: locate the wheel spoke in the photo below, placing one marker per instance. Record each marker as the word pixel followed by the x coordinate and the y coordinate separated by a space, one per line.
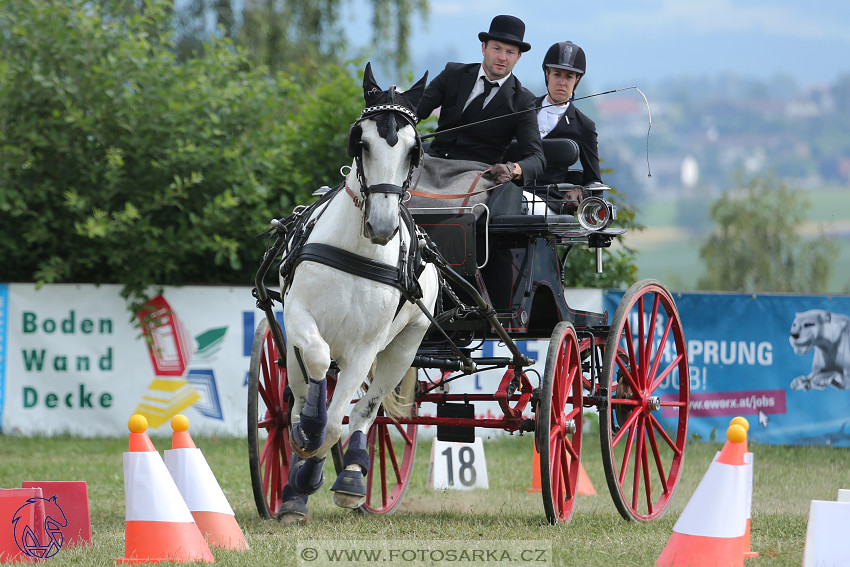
pixel 372 441
pixel 627 453
pixel 656 383
pixel 566 493
pixel 662 345
pixel 626 426
pixel 403 432
pixel 271 368
pixel 391 453
pixel 382 442
pixel 646 480
pixel 670 442
pixel 659 466
pixel 650 333
pixel 640 457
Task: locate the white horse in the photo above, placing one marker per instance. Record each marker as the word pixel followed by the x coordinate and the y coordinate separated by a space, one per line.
pixel 339 303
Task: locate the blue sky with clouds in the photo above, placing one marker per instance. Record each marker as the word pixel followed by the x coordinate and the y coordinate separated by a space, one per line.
pixel 642 41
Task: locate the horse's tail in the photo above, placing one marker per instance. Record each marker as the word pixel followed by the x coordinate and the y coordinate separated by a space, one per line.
pixel 398 402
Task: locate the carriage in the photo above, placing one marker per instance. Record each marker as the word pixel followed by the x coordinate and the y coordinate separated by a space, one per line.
pixel 502 282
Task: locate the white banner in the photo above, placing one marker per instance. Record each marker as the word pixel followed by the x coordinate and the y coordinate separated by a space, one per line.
pixel 77 360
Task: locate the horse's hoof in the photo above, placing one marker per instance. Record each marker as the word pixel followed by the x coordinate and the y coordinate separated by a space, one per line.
pixel 293 508
pixel 348 501
pixel 350 488
pixel 290 518
pixel 305 445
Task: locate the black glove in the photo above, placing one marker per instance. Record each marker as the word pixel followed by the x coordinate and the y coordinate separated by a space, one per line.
pixel 500 172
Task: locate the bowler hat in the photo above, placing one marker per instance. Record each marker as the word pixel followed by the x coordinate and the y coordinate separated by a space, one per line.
pixel 507 29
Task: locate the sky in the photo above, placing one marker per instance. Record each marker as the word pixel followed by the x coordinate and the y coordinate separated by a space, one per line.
pixel 632 42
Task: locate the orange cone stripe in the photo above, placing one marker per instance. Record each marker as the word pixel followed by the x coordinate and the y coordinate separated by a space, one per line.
pixel 701 551
pixel 221 530
pixel 141 443
pixel 164 541
pixel 182 440
pixel 733 454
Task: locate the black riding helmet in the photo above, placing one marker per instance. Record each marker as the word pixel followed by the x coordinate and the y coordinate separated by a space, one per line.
pixel 566 55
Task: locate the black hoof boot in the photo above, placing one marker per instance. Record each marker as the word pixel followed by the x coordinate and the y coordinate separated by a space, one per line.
pixel 294 507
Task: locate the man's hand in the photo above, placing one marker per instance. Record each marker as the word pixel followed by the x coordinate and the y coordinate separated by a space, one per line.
pixel 501 172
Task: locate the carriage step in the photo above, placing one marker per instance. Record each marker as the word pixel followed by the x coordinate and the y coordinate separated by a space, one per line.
pixel 453 432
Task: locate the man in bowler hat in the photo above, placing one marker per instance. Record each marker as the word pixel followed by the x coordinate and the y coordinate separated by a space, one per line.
pixel 468 93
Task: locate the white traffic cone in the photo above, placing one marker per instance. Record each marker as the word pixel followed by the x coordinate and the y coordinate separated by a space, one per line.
pixel 712 528
pixel 200 489
pixel 826 534
pixel 159 526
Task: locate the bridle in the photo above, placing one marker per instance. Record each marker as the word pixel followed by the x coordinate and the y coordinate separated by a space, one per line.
pixel 355 145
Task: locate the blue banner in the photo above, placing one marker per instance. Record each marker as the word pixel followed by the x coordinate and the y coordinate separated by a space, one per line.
pixel 781 361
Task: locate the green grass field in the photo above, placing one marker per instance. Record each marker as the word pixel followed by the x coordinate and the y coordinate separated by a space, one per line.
pixel 786 479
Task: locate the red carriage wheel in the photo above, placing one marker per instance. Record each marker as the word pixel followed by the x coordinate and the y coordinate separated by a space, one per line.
pixel 643 433
pixel 392 450
pixel 559 424
pixel 268 421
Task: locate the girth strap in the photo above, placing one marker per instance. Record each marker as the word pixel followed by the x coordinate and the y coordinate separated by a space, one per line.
pixel 350 263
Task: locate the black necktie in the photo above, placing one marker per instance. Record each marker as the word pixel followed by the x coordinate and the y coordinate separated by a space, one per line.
pixel 477 104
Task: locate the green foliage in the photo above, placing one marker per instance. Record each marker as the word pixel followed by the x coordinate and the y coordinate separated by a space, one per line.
pixel 120 165
pixel 758 244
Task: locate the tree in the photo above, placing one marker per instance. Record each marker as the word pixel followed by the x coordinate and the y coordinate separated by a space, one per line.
pixel 280 33
pixel 758 244
pixel 120 165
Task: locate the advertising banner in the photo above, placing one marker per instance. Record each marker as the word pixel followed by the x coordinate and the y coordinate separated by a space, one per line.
pixel 79 361
pixel 781 361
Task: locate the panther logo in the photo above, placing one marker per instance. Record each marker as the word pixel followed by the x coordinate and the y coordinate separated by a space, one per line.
pixel 27 538
pixel 829 335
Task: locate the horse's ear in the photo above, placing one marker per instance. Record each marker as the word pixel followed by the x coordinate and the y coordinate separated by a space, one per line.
pixel 414 93
pixel 371 90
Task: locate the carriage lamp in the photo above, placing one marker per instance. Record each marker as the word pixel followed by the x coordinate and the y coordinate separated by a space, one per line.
pixel 595 213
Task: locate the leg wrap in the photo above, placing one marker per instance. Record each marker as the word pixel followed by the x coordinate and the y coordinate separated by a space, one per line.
pixel 306 475
pixel 309 433
pixel 356 453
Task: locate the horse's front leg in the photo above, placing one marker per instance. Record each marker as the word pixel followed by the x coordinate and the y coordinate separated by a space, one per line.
pixel 308 360
pixel 307 366
pixel 391 365
pixel 350 486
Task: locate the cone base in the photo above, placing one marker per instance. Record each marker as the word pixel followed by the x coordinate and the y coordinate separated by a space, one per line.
pixel 220 530
pixel 152 542
pixel 702 551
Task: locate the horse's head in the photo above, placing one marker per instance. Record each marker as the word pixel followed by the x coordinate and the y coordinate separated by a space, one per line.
pixel 386 148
